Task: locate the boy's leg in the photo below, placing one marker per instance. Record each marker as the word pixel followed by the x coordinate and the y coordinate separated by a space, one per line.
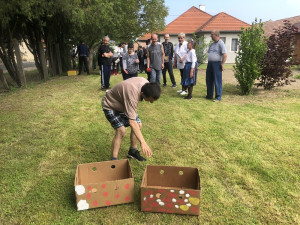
pixel 133 138
pixel 116 142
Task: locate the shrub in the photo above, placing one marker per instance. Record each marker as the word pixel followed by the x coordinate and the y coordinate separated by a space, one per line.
pixel 201 49
pixel 279 57
pixel 252 47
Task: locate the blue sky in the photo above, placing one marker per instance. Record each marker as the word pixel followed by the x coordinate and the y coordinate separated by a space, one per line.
pixel 246 11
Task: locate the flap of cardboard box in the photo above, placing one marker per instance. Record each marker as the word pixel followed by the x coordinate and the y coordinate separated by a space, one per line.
pixel 171 176
pixel 102 171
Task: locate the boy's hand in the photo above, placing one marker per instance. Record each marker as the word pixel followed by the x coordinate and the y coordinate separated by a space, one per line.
pixel 146 149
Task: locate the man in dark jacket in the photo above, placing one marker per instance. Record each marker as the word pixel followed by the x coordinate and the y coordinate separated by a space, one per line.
pixel 83 52
pixel 168 48
pixel 104 61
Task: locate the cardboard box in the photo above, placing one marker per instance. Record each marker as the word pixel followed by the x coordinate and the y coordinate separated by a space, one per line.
pixel 72 72
pixel 102 184
pixel 171 189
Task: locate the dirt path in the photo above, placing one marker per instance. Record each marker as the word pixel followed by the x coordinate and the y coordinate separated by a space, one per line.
pixel 228 78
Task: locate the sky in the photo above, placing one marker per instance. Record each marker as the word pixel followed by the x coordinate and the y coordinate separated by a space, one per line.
pixel 246 11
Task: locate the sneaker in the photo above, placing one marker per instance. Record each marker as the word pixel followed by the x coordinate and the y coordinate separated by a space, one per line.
pixel 216 100
pixel 134 153
pixel 179 91
pixel 187 97
pixel 107 90
pixel 174 86
pixel 164 85
pixel 183 93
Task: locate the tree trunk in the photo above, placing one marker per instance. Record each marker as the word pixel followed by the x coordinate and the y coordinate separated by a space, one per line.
pixel 19 61
pixel 8 58
pixel 43 59
pixel 31 41
pixel 52 59
pixel 3 80
pixel 58 58
pixel 13 63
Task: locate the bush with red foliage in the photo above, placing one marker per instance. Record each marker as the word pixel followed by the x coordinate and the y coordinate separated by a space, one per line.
pixel 276 66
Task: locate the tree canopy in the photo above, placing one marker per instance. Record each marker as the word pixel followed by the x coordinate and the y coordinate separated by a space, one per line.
pixel 61 24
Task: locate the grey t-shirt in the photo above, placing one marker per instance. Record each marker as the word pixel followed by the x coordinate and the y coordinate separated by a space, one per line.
pixel 216 51
pixel 129 63
pixel 155 55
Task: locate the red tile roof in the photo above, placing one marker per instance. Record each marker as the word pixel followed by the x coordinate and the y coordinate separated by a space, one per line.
pixel 196 20
pixel 145 37
pixel 187 22
pixel 270 25
pixel 223 22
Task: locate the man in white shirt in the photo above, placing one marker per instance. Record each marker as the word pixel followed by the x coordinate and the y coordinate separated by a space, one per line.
pixel 179 59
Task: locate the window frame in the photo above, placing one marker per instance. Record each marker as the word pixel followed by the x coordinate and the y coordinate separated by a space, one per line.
pixel 237 44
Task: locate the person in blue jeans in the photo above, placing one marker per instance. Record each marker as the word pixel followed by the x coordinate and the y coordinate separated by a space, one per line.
pixel 155 59
pixel 216 58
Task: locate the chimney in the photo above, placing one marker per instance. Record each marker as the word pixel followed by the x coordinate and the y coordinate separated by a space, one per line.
pixel 202 7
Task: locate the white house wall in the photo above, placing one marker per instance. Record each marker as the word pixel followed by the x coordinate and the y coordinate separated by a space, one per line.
pixel 229 36
pixel 174 38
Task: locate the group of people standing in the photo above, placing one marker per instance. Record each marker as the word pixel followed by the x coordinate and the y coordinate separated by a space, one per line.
pixel 120 104
pixel 160 60
pixel 157 58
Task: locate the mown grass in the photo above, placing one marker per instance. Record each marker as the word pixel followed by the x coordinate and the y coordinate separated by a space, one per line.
pixel 246 148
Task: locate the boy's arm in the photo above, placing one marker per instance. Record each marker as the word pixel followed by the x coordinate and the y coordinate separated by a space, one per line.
pixel 136 130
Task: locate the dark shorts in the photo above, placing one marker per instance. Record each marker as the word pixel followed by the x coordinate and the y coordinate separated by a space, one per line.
pixel 118 119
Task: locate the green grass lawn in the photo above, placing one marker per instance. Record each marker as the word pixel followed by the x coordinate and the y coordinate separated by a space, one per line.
pixel 247 149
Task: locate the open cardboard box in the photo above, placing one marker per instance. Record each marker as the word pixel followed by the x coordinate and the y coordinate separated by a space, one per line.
pixel 171 189
pixel 103 184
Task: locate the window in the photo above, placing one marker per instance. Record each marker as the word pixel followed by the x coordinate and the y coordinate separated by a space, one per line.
pixel 223 39
pixel 234 44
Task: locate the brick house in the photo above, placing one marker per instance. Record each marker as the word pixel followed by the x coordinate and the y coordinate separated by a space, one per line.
pixel 196 20
pixel 270 25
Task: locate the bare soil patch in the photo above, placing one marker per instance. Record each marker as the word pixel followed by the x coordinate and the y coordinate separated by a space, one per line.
pixel 228 78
